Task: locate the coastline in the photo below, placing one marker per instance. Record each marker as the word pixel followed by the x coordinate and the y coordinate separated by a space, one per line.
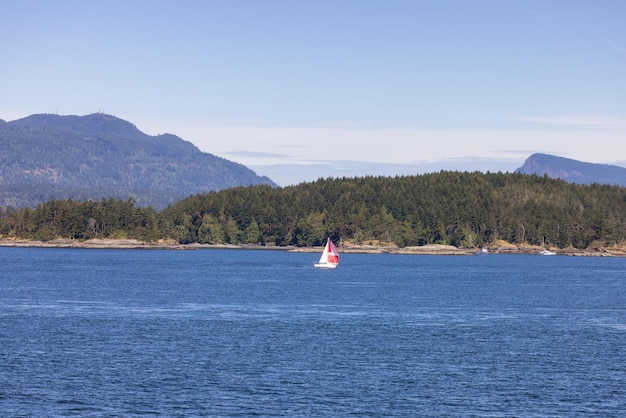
pixel 431 249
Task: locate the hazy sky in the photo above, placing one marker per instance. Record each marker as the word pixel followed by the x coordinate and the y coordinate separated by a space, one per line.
pixel 299 90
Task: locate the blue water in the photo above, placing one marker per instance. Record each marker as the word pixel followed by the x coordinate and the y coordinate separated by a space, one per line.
pixel 237 333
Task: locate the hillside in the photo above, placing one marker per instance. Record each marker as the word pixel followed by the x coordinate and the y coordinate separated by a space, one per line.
pixel 44 157
pixel 465 210
pixel 573 171
pixel 450 208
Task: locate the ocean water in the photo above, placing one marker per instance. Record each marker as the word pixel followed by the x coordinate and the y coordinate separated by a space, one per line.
pixel 263 333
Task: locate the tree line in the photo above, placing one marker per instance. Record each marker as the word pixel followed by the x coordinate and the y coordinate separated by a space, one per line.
pixel 457 208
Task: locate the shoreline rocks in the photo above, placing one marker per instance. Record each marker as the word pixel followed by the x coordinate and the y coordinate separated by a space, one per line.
pixel 431 249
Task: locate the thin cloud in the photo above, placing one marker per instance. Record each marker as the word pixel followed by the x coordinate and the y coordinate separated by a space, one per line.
pixel 512 151
pixel 580 121
pixel 342 125
pixel 257 154
pixel 615 46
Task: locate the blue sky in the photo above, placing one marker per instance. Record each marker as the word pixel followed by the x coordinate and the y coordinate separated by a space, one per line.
pixel 300 90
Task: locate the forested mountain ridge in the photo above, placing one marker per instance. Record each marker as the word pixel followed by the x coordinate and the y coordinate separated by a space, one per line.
pixel 467 210
pixel 573 171
pixel 46 157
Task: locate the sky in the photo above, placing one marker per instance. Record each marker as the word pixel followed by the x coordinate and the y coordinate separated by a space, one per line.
pixel 301 90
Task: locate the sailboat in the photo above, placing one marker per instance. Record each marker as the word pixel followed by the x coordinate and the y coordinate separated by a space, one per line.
pixel 545 251
pixel 330 256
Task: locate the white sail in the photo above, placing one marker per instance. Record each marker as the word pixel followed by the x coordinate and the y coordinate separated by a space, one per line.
pixel 330 256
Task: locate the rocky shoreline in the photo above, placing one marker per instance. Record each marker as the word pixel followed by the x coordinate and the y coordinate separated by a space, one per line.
pixel 118 244
pixel 432 249
pixel 500 248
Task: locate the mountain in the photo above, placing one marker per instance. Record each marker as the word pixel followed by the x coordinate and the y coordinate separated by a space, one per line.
pixel 45 157
pixel 573 171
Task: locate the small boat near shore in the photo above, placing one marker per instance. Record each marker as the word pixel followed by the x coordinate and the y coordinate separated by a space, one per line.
pixel 545 251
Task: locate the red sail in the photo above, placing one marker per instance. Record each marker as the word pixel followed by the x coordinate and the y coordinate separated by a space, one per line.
pixel 333 255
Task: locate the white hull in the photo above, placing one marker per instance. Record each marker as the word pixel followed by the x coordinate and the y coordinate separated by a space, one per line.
pixel 325 265
pixel 546 252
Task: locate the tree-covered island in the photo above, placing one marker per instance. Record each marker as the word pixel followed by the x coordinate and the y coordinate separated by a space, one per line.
pixel 465 210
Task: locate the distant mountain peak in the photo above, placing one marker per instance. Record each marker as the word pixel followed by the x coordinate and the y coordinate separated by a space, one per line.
pixel 573 171
pixel 46 156
pixel 93 124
